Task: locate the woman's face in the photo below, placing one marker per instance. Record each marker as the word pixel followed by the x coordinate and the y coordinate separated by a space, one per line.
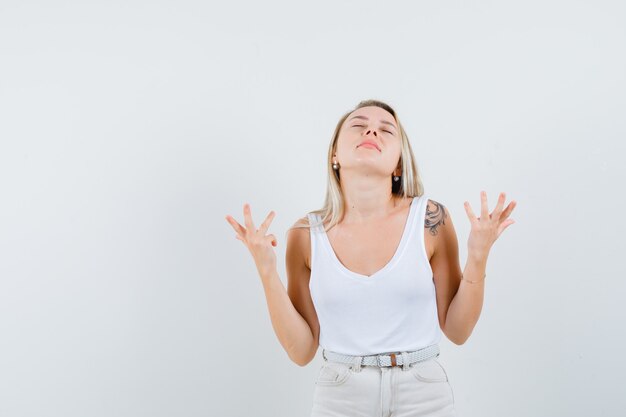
pixel 373 125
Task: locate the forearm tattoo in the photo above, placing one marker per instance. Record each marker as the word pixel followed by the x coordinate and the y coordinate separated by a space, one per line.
pixel 435 216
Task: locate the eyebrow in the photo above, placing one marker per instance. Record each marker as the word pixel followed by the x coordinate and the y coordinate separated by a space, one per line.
pixel 365 118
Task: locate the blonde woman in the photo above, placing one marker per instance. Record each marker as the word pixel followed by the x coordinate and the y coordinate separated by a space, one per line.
pixel 374 276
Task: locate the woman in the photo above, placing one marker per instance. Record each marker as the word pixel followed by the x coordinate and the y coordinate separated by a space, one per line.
pixel 374 276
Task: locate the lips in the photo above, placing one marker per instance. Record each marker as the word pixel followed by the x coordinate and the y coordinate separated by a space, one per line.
pixel 370 142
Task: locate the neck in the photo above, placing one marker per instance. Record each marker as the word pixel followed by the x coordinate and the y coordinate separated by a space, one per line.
pixel 367 200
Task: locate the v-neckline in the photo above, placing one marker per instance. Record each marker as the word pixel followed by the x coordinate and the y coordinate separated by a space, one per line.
pixel 388 265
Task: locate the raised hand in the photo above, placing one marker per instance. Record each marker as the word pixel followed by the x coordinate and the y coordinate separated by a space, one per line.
pixel 256 240
pixel 488 227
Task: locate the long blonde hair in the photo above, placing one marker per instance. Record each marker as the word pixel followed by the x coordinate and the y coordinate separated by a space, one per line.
pixel 409 185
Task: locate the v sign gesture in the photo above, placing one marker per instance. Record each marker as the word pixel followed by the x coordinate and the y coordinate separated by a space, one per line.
pixel 488 227
pixel 256 240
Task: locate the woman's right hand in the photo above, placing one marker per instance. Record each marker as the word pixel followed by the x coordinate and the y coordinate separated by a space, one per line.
pixel 259 244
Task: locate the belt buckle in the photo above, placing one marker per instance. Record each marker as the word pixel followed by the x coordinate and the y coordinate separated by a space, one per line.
pixel 392 357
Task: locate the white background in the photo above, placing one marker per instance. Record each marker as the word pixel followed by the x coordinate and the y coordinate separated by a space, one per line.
pixel 130 129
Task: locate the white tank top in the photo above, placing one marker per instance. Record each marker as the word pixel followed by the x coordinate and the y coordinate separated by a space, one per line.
pixel 393 310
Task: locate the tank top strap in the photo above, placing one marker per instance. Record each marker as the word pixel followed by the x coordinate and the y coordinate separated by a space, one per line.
pixel 314 219
pixel 314 232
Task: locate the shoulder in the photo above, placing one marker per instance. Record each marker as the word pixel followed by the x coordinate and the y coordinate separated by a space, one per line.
pixel 298 241
pixel 300 226
pixel 436 216
pixel 440 229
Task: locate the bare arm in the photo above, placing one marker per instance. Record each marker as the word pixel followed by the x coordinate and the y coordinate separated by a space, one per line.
pixel 467 304
pixel 460 300
pixel 468 301
pixel 292 311
pixel 288 309
pixel 459 303
pixel 292 330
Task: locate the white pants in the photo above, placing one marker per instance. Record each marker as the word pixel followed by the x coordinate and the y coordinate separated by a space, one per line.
pixel 421 390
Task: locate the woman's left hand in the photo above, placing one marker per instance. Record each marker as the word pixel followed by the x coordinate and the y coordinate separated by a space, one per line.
pixel 488 227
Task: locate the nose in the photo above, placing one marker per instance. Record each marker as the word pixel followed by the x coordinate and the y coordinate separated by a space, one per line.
pixel 371 130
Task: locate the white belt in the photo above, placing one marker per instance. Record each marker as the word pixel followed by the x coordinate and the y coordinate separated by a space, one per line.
pixel 385 359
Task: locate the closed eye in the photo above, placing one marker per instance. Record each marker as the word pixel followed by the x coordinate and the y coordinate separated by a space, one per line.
pixel 391 133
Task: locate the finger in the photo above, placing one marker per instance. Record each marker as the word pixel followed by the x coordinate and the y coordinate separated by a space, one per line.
pixel 508 210
pixel 484 212
pixel 266 223
pixel 238 228
pixel 469 211
pixel 504 225
pixel 247 214
pixel 498 210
